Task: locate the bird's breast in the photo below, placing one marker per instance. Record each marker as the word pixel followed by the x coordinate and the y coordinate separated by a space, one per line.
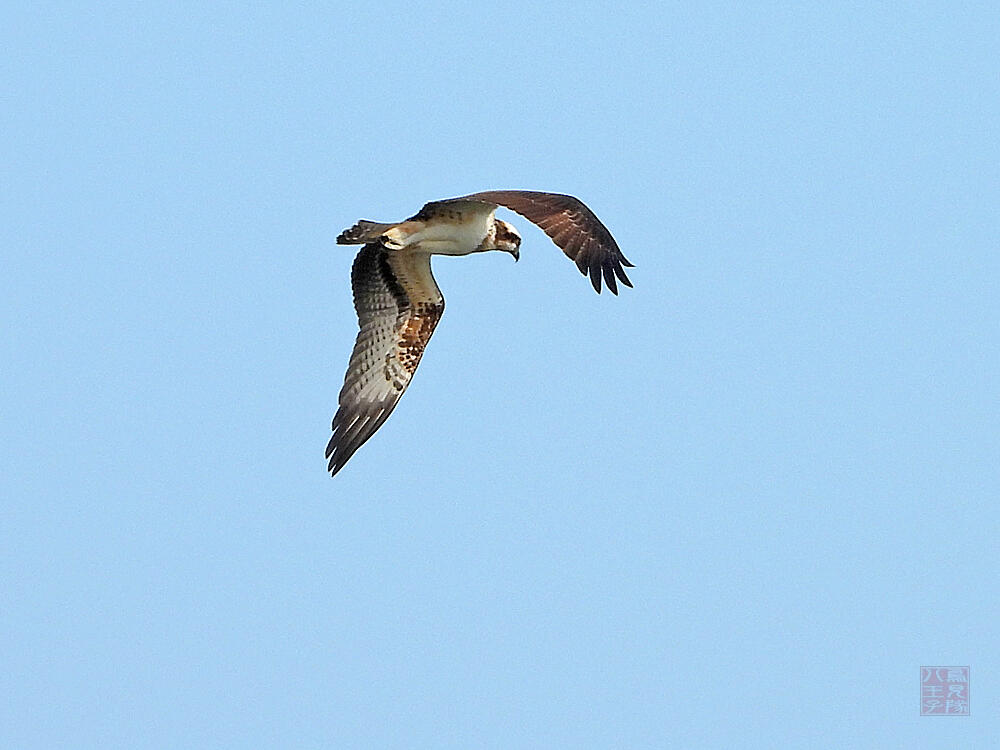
pixel 450 237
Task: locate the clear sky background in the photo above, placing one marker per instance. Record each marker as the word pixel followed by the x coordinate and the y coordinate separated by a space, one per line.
pixel 738 506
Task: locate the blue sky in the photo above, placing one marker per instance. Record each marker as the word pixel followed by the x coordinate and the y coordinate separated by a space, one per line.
pixel 737 506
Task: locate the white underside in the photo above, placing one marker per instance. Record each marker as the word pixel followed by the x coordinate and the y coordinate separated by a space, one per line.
pixel 450 237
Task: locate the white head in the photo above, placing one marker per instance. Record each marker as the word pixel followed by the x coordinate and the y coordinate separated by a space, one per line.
pixel 507 239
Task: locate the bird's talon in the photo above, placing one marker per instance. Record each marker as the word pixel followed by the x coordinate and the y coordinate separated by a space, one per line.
pixel 389 243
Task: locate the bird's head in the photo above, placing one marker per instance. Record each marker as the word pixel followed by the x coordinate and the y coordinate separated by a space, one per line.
pixel 507 239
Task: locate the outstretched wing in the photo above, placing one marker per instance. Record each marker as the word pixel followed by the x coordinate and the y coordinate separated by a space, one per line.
pixel 398 305
pixel 572 226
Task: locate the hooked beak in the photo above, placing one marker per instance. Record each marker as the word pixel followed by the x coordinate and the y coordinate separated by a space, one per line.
pixel 516 252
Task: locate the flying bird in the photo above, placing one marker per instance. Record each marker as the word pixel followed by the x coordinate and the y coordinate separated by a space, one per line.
pixel 399 304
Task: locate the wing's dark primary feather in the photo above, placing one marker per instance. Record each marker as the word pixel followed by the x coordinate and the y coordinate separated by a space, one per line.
pixel 572 226
pixel 398 305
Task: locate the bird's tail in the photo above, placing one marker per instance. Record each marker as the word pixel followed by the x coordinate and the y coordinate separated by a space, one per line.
pixel 363 232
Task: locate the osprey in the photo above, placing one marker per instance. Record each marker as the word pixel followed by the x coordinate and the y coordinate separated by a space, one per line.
pixel 398 302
